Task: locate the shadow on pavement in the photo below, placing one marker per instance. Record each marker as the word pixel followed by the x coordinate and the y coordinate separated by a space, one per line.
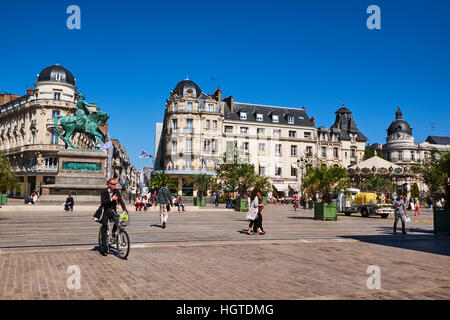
pixel 307 218
pixel 420 242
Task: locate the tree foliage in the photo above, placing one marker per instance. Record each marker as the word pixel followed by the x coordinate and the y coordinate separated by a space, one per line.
pixel 263 185
pixel 369 152
pixel 160 177
pixel 201 182
pixel 7 178
pixel 436 175
pixel 234 174
pixel 377 184
pixel 325 181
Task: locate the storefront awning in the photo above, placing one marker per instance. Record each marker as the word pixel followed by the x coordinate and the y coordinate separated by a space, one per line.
pixel 281 187
pixel 294 187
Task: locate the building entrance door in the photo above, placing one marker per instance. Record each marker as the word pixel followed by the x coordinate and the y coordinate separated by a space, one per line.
pixel 31 184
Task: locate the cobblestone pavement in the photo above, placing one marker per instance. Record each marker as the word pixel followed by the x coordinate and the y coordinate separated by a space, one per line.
pixel 205 254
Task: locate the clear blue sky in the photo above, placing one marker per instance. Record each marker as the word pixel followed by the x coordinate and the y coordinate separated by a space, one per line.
pixel 129 55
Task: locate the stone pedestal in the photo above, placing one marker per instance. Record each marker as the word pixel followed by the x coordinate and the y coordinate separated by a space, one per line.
pixel 80 173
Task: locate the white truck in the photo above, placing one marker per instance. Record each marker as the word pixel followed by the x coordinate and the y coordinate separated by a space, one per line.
pixel 364 203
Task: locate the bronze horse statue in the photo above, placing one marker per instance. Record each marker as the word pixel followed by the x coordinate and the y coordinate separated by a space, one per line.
pixel 91 126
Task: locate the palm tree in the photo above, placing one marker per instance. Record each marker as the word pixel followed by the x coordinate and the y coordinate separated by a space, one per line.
pixel 377 184
pixel 7 178
pixel 263 185
pixel 202 183
pixel 160 177
pixel 246 178
pixel 325 181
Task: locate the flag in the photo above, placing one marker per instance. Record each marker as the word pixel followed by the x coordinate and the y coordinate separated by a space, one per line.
pixel 145 155
pixel 107 145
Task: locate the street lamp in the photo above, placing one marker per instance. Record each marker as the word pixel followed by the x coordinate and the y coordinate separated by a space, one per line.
pixel 301 164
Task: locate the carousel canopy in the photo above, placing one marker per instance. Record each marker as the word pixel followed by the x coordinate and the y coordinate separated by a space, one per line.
pixel 375 164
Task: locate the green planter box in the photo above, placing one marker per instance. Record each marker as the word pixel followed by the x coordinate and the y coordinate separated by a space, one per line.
pixel 441 221
pixel 201 202
pixel 4 198
pixel 264 200
pixel 325 211
pixel 243 205
pixel 310 204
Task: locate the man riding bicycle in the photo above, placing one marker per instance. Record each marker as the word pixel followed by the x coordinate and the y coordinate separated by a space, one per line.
pixel 110 197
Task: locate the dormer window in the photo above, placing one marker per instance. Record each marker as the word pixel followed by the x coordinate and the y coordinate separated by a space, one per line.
pixel 189 106
pixel 290 119
pixel 243 115
pixel 175 106
pixel 259 117
pixel 58 76
pixel 275 118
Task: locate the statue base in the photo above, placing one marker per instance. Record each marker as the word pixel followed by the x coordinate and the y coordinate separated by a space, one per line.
pixel 80 173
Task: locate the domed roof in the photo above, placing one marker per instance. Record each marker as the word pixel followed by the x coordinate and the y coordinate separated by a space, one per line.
pixel 188 88
pixel 56 73
pixel 399 125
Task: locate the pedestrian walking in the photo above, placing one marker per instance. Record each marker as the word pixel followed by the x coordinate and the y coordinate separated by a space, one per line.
pixel 417 207
pixel 252 214
pixel 257 226
pixel 399 207
pixel 164 199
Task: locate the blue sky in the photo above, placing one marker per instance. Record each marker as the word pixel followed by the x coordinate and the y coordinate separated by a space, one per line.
pixel 129 55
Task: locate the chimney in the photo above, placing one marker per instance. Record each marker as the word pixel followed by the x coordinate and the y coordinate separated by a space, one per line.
pixel 313 121
pixel 229 100
pixel 304 108
pixel 218 94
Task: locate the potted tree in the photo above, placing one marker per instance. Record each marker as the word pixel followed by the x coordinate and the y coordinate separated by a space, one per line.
pixel 263 185
pixel 436 174
pixel 247 177
pixel 7 179
pixel 160 177
pixel 201 182
pixel 325 181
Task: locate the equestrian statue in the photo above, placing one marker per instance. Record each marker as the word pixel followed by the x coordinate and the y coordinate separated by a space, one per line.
pixel 84 121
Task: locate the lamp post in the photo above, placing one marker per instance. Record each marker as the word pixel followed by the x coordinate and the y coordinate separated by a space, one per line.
pixel 301 164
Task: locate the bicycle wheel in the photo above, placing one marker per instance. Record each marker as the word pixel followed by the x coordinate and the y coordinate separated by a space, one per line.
pixel 123 244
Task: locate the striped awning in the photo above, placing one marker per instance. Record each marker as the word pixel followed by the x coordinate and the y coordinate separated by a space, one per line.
pixel 294 187
pixel 281 187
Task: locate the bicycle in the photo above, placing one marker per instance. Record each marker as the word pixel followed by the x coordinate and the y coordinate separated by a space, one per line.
pixel 121 240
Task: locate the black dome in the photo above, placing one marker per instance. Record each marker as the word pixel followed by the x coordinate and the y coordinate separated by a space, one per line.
pixel 399 124
pixel 185 85
pixel 56 73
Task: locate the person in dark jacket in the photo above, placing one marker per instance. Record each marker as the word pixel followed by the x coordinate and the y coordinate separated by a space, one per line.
pixel 69 203
pixel 164 200
pixel 110 198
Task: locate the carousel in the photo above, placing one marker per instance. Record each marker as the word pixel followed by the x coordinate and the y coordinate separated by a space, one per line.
pixel 400 177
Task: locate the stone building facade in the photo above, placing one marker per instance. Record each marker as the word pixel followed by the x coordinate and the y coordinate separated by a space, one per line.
pixel 122 169
pixel 198 128
pixel 26 128
pixel 401 149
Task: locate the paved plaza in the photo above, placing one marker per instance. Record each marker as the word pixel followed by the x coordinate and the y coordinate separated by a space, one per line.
pixel 206 254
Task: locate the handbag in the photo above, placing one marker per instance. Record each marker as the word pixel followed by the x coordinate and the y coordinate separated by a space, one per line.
pixel 98 215
pixel 168 207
